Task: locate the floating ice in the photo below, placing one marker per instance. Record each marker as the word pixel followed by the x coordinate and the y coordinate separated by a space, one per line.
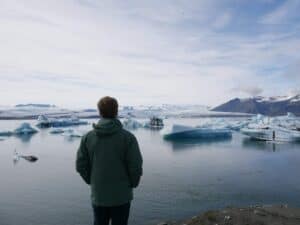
pixel 272 133
pixel 42 118
pixel 5 133
pixel 280 128
pixel 72 133
pixel 44 121
pixel 56 131
pixel 24 128
pixel 221 123
pixel 131 124
pixel 186 132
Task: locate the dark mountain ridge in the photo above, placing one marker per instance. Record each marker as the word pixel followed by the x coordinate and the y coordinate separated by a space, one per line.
pixel 272 106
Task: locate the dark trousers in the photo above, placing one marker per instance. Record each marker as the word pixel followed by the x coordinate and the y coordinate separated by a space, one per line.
pixel 118 215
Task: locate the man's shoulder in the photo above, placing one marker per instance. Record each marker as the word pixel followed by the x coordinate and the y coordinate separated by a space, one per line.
pixel 127 134
pixel 89 134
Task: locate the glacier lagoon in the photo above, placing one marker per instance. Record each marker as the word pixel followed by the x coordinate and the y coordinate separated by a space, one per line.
pixel 181 178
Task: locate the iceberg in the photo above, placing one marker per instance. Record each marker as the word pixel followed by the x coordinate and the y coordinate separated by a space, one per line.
pixel 131 124
pixel 5 133
pixel 187 132
pixel 238 125
pixel 280 128
pixel 56 131
pixel 24 129
pixel 44 122
pixel 272 133
pixel 72 133
pixel 221 123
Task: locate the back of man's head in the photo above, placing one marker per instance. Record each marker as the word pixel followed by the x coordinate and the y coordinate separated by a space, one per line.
pixel 108 107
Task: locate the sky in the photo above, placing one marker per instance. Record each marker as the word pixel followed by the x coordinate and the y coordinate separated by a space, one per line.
pixel 72 52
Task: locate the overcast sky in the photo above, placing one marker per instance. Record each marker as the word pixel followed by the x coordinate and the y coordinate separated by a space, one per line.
pixel 72 52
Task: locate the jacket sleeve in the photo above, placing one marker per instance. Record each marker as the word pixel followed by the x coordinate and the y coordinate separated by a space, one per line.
pixel 134 162
pixel 83 164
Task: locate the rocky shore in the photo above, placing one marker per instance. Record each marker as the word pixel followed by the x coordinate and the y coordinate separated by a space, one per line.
pixel 252 215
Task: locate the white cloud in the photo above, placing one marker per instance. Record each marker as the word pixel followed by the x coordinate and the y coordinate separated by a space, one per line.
pixel 248 90
pixel 222 21
pixel 143 52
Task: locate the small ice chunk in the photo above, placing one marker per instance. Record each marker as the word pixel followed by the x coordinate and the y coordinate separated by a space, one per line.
pixel 56 131
pixel 5 133
pixel 72 133
pixel 42 118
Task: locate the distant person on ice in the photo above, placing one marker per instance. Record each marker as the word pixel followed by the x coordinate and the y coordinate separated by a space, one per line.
pixel 110 161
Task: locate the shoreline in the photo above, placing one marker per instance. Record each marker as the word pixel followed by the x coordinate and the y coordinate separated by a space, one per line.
pixel 251 215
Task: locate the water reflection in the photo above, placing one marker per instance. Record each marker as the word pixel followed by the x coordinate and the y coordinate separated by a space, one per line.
pixel 25 138
pixel 267 145
pixel 71 139
pixel 189 144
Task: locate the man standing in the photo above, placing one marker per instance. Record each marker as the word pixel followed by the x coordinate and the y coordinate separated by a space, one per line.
pixel 110 161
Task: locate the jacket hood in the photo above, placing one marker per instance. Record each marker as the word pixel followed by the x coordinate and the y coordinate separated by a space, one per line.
pixel 107 127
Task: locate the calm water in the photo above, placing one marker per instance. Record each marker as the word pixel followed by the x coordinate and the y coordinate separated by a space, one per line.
pixel 180 178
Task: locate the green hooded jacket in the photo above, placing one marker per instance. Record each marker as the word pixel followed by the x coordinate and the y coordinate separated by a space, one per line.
pixel 110 161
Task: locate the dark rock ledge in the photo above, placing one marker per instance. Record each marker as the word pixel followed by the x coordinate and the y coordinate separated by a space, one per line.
pixel 252 215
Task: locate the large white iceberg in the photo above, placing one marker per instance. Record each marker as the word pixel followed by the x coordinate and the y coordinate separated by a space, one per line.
pixel 272 133
pixel 187 132
pixel 280 128
pixel 25 129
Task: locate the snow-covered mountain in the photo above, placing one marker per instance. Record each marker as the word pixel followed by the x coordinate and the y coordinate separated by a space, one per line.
pixel 271 106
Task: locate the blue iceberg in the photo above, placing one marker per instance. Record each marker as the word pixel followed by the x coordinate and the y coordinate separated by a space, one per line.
pixel 56 131
pixel 25 129
pixel 6 133
pixel 187 132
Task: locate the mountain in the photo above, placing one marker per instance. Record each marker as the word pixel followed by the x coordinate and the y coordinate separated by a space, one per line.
pixel 272 106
